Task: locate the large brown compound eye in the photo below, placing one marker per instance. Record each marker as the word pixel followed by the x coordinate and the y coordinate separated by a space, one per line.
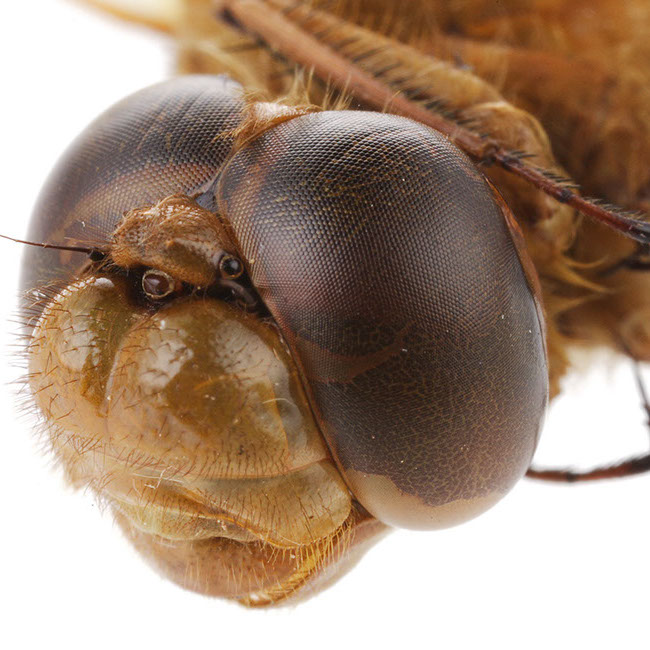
pixel 158 284
pixel 426 367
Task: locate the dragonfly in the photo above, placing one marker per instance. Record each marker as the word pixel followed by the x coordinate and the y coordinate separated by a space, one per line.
pixel 472 75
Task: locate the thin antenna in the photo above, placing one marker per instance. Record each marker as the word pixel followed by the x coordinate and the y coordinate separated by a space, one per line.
pixel 94 253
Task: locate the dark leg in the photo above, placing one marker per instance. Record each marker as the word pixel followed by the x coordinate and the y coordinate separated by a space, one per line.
pixel 289 29
pixel 636 465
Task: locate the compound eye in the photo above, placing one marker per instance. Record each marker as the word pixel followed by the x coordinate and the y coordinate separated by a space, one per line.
pixel 231 267
pixel 157 284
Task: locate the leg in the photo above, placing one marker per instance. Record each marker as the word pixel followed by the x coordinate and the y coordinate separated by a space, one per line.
pixel 636 465
pixel 629 467
pixel 357 66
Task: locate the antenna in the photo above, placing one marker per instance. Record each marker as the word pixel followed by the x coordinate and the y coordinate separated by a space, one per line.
pixel 95 254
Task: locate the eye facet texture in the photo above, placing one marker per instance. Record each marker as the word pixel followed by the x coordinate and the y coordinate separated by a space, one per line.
pixel 388 265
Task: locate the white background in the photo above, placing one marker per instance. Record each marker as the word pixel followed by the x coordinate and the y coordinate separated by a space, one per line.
pixel 549 567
